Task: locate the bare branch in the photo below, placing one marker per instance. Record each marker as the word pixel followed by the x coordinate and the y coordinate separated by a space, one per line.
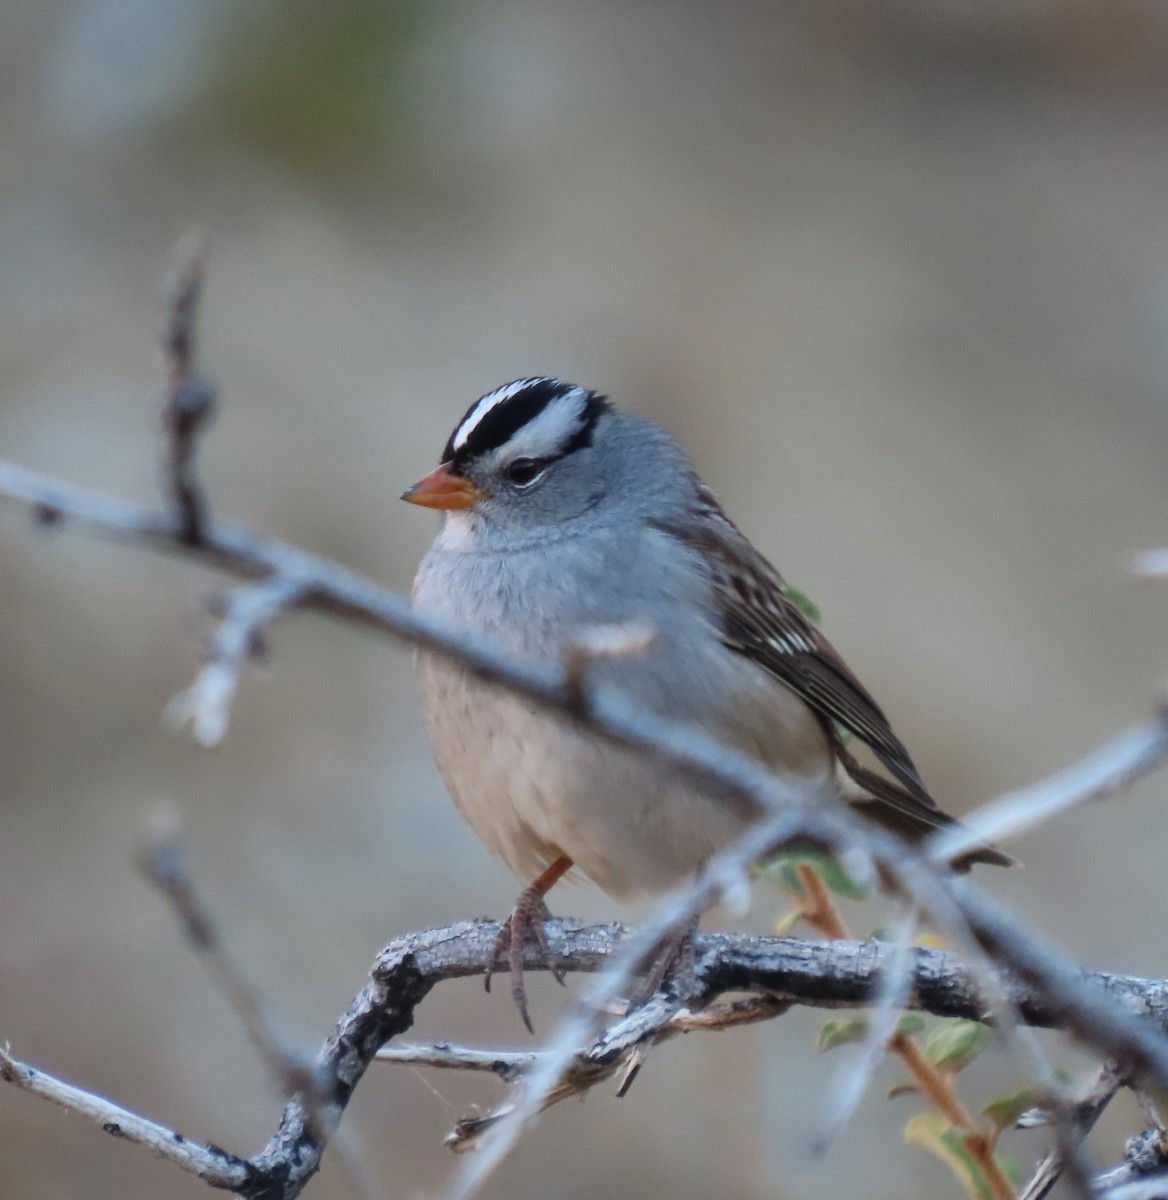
pixel 1144 1173
pixel 510 1064
pixel 217 1167
pixel 163 862
pixel 507 1064
pixel 1114 1187
pixel 618 1051
pixel 1076 1121
pixel 780 971
pixel 600 1061
pixel 190 399
pixel 206 704
pixel 1110 769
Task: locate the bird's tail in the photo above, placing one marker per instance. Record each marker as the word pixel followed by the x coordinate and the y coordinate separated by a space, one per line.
pixel 911 816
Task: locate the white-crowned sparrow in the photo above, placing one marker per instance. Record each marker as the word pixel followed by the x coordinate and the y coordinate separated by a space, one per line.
pixel 564 513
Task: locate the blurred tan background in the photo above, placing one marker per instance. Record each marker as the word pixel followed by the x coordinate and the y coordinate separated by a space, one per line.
pixel 896 273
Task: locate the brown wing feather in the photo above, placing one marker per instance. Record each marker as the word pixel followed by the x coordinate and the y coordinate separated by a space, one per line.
pixel 762 623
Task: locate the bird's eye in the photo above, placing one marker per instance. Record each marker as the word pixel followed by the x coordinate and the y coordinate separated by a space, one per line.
pixel 524 471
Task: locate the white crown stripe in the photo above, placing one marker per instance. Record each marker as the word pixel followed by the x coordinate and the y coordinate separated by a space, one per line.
pixel 489 401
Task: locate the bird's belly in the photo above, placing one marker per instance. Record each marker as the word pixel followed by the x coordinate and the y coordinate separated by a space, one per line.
pixel 533 787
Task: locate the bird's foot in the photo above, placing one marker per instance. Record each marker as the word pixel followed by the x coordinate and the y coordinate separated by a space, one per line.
pixel 674 963
pixel 523 928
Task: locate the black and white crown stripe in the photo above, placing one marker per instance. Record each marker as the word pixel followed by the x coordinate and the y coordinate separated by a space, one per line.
pixel 539 417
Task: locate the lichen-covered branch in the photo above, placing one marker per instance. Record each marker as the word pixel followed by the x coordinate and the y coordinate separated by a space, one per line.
pixel 783 971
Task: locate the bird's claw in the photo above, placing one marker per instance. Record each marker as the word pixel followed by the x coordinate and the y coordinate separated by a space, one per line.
pixel 675 963
pixel 524 927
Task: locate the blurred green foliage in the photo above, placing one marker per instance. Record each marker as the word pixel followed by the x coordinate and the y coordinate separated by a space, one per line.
pixel 953 1044
pixel 323 87
pixel 781 871
pixel 932 1132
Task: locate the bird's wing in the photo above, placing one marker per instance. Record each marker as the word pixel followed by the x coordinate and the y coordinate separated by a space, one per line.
pixel 763 621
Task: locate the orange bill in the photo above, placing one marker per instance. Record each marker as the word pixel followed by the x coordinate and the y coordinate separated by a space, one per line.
pixel 442 489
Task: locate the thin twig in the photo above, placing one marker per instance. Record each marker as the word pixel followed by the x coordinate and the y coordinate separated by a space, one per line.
pixel 612 1054
pixel 817 907
pixel 217 1167
pixel 618 1051
pixel 507 1064
pixel 1112 768
pixel 1076 1121
pixel 206 704
pixel 1144 1172
pixel 510 1064
pixel 163 861
pixel 190 399
pixel 937 1088
pixel 852 1082
pixel 1150 1110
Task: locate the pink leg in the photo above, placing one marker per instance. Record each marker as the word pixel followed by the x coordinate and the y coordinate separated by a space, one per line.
pixel 523 926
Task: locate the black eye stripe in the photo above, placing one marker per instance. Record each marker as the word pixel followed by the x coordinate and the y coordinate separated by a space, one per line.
pixel 499 424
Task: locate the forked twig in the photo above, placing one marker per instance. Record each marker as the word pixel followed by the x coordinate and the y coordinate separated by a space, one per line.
pixel 249 610
pixel 1077 1121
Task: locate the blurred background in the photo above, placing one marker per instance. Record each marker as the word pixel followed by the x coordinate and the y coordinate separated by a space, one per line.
pixel 896 273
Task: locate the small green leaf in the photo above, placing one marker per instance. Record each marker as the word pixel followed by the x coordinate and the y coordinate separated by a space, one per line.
pixel 932 1132
pixel 842 1032
pixel 802 602
pixel 954 1044
pixel 1005 1110
pixel 903 1089
pixel 781 869
pixel 910 1024
pixel 880 934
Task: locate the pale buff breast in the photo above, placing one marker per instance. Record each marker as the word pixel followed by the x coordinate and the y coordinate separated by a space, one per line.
pixel 533 786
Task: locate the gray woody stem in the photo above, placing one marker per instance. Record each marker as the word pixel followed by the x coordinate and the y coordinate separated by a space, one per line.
pixel 820 974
